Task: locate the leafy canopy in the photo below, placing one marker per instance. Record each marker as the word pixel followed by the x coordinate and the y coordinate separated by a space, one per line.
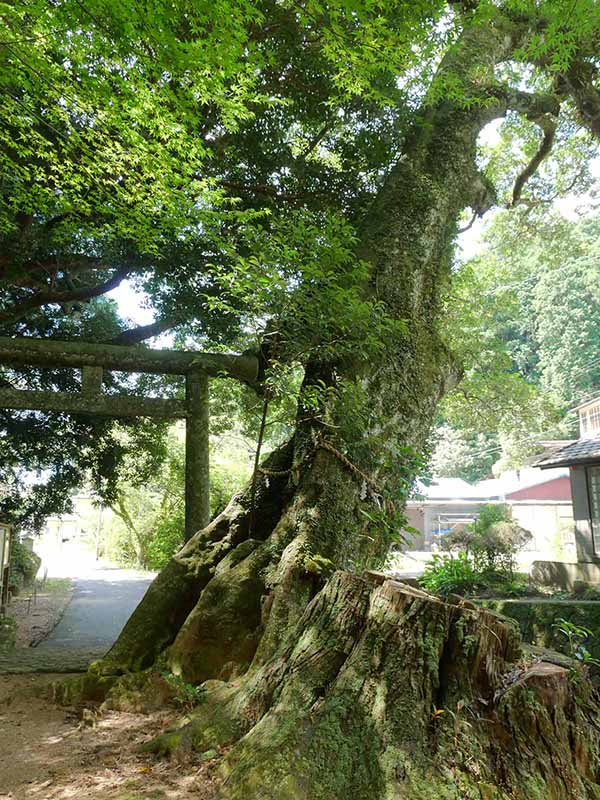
pixel 220 156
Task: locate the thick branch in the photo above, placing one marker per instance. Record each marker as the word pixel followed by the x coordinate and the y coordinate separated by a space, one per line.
pixel 578 84
pixel 27 271
pixel 143 332
pixel 538 107
pixel 548 126
pixel 20 309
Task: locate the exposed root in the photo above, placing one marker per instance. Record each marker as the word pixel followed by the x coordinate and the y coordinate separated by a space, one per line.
pixel 169 600
pixel 387 692
pixel 221 634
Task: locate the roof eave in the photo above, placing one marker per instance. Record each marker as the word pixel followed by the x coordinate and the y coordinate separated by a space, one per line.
pixel 581 462
pixel 585 403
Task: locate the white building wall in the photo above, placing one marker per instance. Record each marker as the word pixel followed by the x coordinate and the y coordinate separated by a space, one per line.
pixel 552 528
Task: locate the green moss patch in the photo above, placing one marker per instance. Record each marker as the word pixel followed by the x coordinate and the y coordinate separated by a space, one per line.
pixel 83 689
pixel 537 620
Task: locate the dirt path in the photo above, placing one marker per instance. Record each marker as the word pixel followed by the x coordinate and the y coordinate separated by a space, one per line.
pixel 48 753
pixel 101 601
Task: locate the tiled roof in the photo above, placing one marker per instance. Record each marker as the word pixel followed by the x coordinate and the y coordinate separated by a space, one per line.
pixel 581 451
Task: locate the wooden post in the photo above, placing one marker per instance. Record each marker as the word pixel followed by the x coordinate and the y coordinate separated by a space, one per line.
pixel 5 567
pixel 197 490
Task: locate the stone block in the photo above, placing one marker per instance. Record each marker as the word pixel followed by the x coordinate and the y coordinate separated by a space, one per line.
pixel 565 575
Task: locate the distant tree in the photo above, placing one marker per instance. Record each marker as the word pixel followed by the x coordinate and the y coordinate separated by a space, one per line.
pixel 540 278
pixel 525 314
pixel 567 314
pixel 149 518
pixel 459 454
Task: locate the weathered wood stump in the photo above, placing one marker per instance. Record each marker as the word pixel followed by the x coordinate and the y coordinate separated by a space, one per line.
pixel 383 691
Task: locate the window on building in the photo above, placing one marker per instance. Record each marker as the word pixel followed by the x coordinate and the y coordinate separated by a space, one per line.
pixel 590 421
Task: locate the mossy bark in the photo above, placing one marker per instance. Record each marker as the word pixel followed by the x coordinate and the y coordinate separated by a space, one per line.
pixel 539 620
pixel 175 592
pixel 220 636
pixel 337 687
pixel 385 692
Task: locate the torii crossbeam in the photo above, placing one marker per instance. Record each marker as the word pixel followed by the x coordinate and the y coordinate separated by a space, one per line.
pixel 93 359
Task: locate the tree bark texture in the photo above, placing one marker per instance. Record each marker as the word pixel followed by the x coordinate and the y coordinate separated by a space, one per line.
pixel 320 684
pixel 382 691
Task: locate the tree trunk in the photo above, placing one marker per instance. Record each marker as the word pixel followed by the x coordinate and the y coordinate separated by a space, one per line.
pixel 172 596
pixel 382 691
pixel 321 685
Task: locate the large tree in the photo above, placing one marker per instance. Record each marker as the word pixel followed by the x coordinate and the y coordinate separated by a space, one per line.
pixel 300 169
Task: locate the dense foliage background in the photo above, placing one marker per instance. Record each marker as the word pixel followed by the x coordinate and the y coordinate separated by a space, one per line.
pixel 218 158
pixel 525 315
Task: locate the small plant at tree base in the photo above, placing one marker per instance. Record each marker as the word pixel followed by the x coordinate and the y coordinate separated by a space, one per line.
pixel 449 574
pixel 492 542
pixel 577 636
pixel 460 725
pixel 186 695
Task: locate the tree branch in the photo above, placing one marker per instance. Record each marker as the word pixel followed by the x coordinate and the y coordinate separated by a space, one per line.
pixel 315 140
pixel 142 332
pixel 538 107
pixel 20 309
pixel 535 106
pixel 548 126
pixel 578 84
pixel 74 264
pixel 469 225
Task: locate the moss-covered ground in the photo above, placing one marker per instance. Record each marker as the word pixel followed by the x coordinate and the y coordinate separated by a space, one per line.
pixel 538 620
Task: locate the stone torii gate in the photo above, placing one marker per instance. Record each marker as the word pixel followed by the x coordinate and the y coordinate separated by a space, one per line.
pixel 93 359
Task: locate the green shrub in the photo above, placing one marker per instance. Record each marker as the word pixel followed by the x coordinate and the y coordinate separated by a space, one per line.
pixel 149 523
pixel 24 565
pixel 492 542
pixel 448 574
pixel 577 637
pixel 166 540
pixel 186 695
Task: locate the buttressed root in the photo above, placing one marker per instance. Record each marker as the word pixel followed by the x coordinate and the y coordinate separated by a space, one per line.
pixel 384 691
